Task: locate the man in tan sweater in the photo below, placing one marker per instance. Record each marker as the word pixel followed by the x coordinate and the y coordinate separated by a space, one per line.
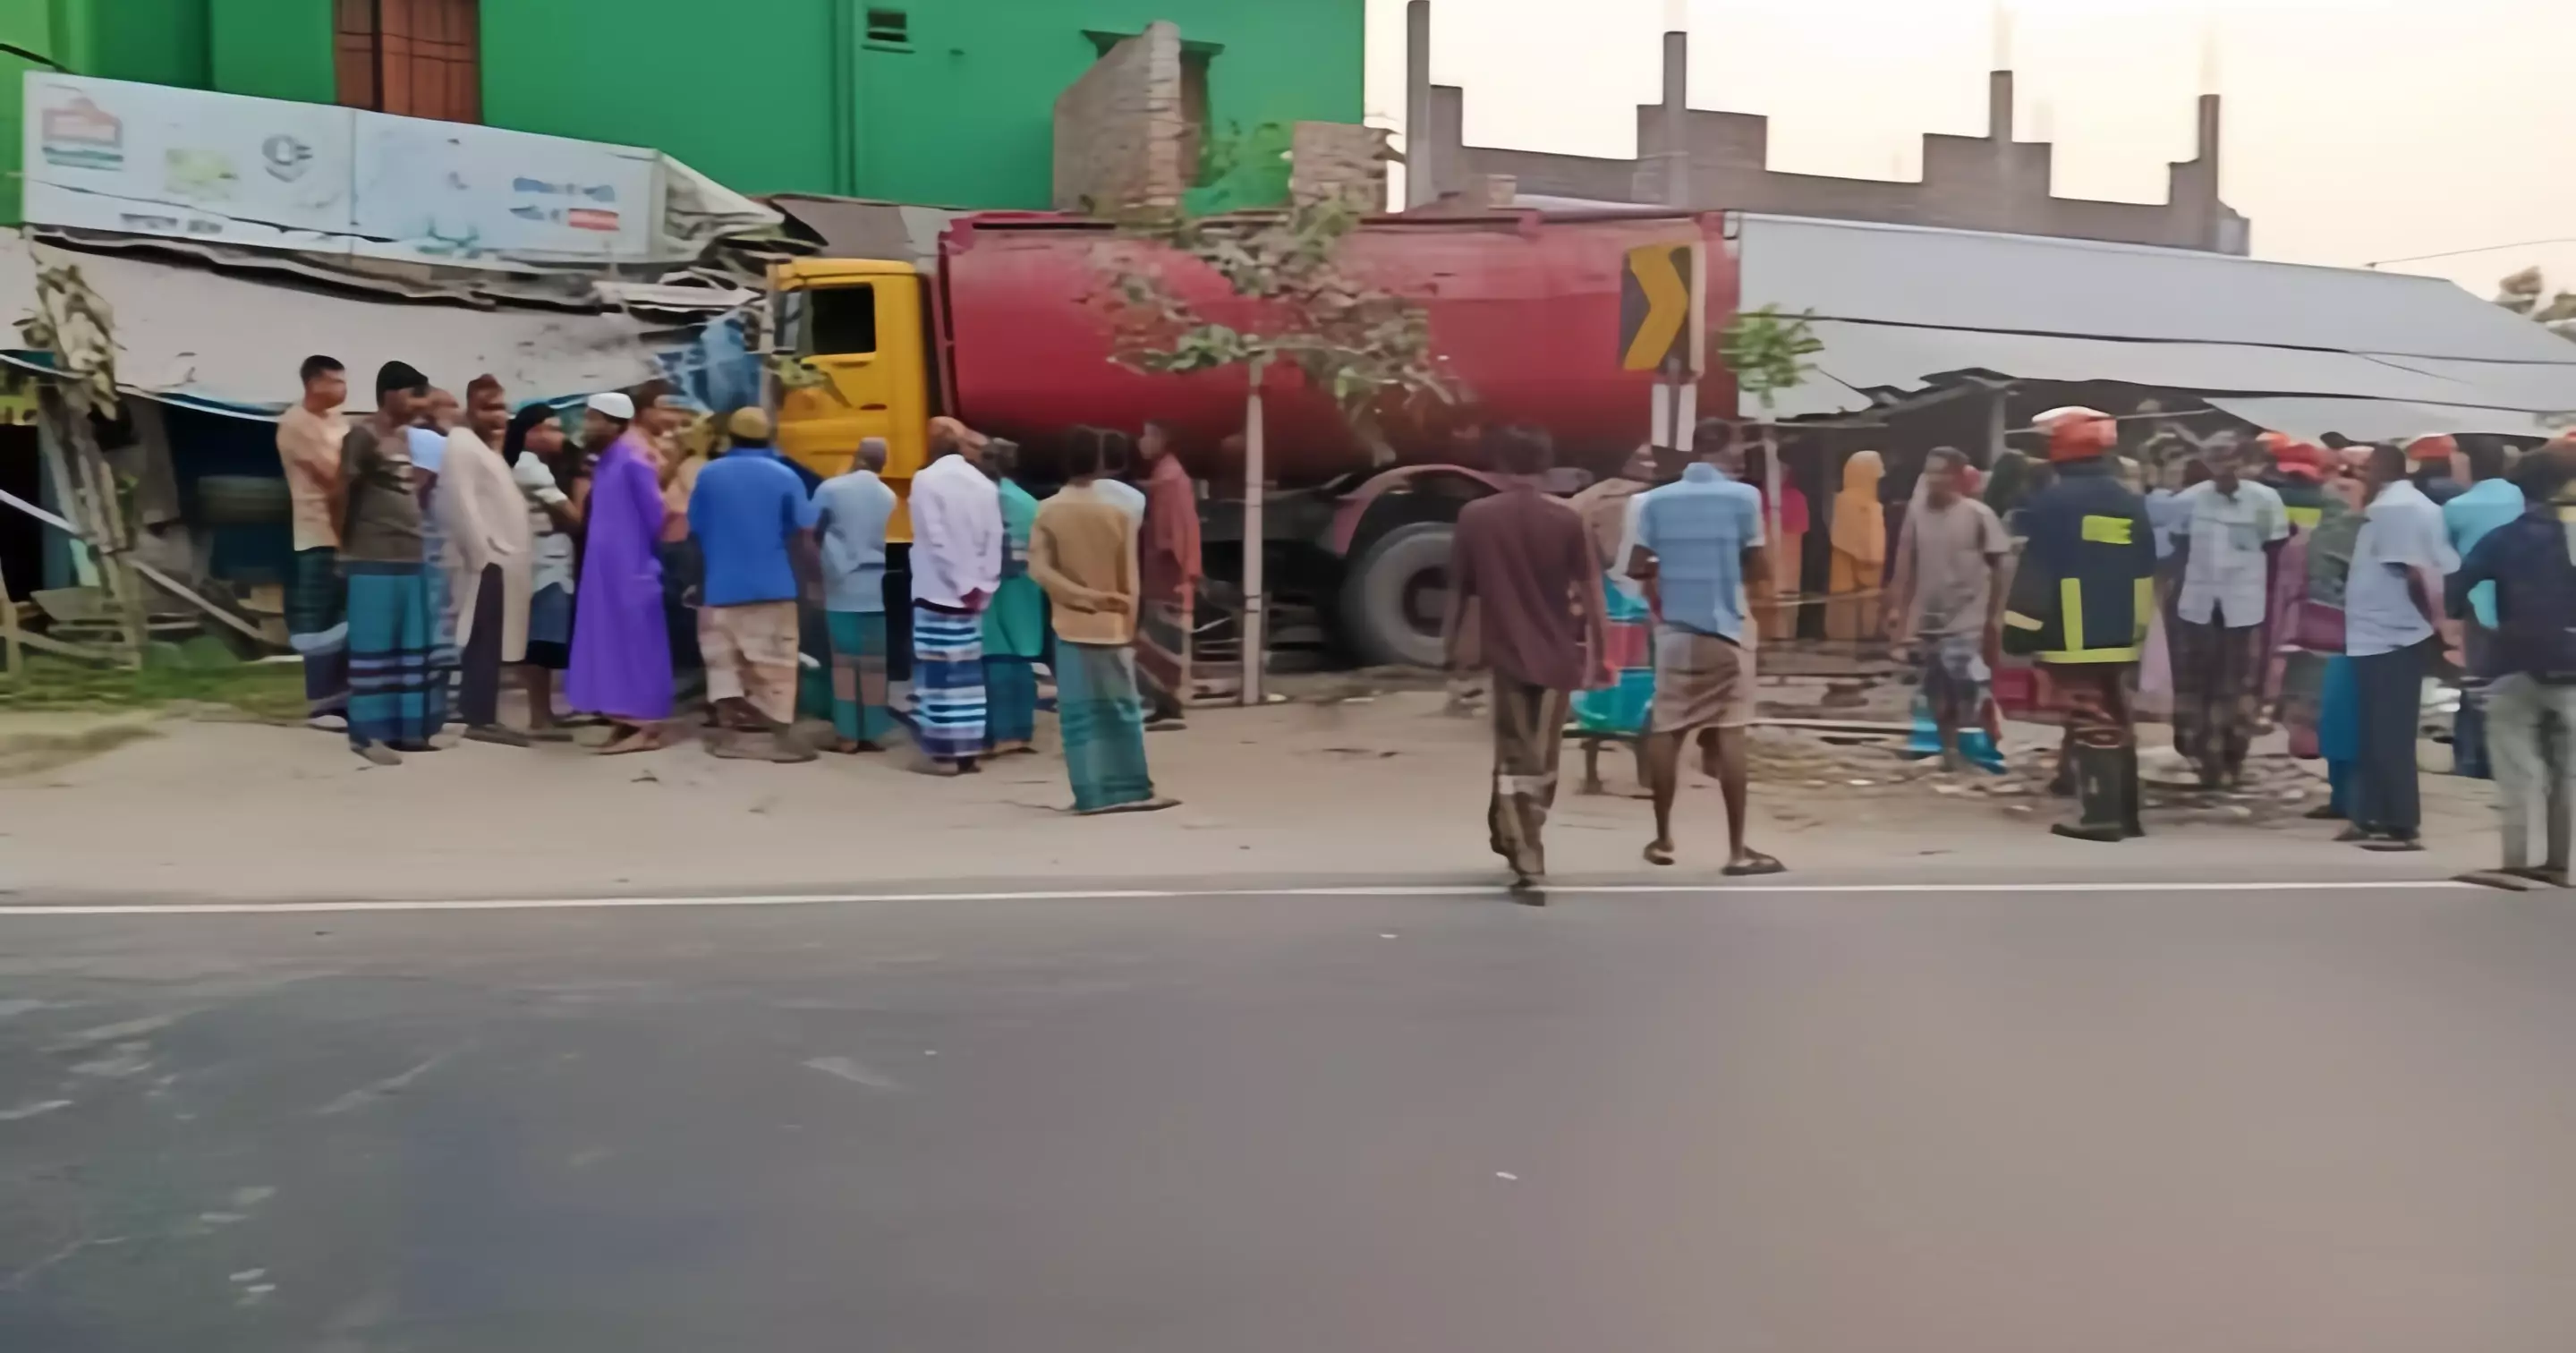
pixel 1082 550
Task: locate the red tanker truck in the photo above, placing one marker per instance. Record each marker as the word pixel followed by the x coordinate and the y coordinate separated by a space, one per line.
pixel 1007 337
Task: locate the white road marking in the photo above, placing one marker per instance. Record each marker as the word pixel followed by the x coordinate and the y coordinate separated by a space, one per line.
pixel 369 1093
pixel 1159 894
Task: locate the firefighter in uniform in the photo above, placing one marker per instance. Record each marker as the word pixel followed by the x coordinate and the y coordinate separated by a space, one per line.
pixel 2080 604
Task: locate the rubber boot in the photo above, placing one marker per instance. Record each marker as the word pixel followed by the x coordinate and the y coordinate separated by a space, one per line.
pixel 2131 795
pixel 2097 788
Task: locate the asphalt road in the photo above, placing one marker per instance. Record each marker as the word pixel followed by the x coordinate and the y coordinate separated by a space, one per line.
pixel 1840 1122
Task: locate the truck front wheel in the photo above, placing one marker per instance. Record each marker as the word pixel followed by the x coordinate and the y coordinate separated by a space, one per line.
pixel 1395 597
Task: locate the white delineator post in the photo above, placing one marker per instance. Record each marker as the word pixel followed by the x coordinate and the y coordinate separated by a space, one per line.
pixel 1255 603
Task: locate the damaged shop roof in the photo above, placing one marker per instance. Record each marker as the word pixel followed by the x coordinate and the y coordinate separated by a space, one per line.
pixel 232 343
pixel 1902 309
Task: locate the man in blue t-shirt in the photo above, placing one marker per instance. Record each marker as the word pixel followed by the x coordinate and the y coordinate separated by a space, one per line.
pixel 1699 549
pixel 748 512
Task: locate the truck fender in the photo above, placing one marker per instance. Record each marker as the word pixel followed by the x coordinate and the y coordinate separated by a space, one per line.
pixel 1352 511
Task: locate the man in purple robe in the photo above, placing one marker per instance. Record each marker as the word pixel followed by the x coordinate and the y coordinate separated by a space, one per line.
pixel 621 646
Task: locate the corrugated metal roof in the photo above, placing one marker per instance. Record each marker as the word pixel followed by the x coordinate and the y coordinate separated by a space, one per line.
pixel 1901 307
pixel 2378 420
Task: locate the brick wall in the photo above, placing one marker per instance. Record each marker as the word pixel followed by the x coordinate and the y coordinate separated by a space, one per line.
pixel 1121 137
pixel 1338 159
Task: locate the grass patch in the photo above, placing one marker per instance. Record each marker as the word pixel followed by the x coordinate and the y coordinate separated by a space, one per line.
pixel 201 671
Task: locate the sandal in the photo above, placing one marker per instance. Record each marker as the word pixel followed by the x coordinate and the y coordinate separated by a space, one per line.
pixel 1153 805
pixel 641 740
pixel 1659 853
pixel 1754 865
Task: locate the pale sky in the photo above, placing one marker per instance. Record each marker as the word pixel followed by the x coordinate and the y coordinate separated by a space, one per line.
pixel 2355 130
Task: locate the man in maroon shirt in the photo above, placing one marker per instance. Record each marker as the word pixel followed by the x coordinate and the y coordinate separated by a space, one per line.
pixel 1525 583
pixel 1168 566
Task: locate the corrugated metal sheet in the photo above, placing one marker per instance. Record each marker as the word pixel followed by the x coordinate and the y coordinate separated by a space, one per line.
pixel 2377 420
pixel 1901 307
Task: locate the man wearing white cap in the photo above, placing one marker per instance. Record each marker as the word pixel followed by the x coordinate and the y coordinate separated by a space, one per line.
pixel 621 647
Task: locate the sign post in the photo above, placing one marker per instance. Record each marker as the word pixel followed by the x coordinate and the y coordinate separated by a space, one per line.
pixel 1663 328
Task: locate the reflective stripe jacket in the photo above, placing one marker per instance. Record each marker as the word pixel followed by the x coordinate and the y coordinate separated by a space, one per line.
pixel 2085 588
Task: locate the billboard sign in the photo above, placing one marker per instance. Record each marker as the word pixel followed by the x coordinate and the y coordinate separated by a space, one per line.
pixel 221 168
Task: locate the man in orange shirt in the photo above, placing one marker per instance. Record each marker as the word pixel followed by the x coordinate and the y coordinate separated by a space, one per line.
pixel 308 450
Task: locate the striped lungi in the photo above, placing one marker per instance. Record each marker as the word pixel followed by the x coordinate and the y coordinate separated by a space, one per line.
pixel 1103 722
pixel 860 710
pixel 390 637
pixel 948 683
pixel 444 659
pixel 1163 635
pixel 317 628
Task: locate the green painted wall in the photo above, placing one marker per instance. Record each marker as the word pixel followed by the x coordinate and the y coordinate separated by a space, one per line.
pixel 33 33
pixel 762 95
pixel 964 117
pixel 162 42
pixel 278 49
pixel 735 89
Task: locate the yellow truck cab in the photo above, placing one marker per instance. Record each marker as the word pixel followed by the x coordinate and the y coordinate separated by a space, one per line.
pixel 860 324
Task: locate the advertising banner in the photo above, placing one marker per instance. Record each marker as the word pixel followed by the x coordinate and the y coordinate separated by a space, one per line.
pixel 221 168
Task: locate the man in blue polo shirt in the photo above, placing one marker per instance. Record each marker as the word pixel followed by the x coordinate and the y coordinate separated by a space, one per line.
pixel 1699 548
pixel 748 511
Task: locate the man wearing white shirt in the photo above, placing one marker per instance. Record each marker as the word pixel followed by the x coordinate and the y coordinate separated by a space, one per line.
pixel 956 564
pixel 2232 526
pixel 2390 633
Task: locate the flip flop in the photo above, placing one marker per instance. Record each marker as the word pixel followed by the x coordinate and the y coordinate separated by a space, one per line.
pixel 1153 805
pixel 1759 865
pixel 639 741
pixel 1658 853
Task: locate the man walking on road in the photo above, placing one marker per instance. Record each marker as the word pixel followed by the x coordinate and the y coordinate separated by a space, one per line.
pixel 2524 575
pixel 2391 632
pixel 1700 553
pixel 750 514
pixel 2081 600
pixel 956 565
pixel 851 513
pixel 1525 588
pixel 2234 528
pixel 1082 550
pixel 1947 599
pixel 308 449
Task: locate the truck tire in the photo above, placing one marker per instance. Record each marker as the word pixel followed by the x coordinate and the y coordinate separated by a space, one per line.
pixel 1396 595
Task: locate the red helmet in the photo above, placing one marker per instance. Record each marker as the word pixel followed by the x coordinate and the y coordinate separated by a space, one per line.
pixel 2076 433
pixel 2438 446
pixel 2303 460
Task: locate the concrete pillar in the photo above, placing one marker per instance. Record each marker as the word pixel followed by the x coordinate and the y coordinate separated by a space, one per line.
pixel 1677 192
pixel 2213 223
pixel 1421 181
pixel 1999 107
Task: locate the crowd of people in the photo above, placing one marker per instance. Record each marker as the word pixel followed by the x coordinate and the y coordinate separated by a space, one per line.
pixel 2233 582
pixel 441 544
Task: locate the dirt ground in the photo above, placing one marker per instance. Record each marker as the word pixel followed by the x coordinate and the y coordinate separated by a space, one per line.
pixel 1355 777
